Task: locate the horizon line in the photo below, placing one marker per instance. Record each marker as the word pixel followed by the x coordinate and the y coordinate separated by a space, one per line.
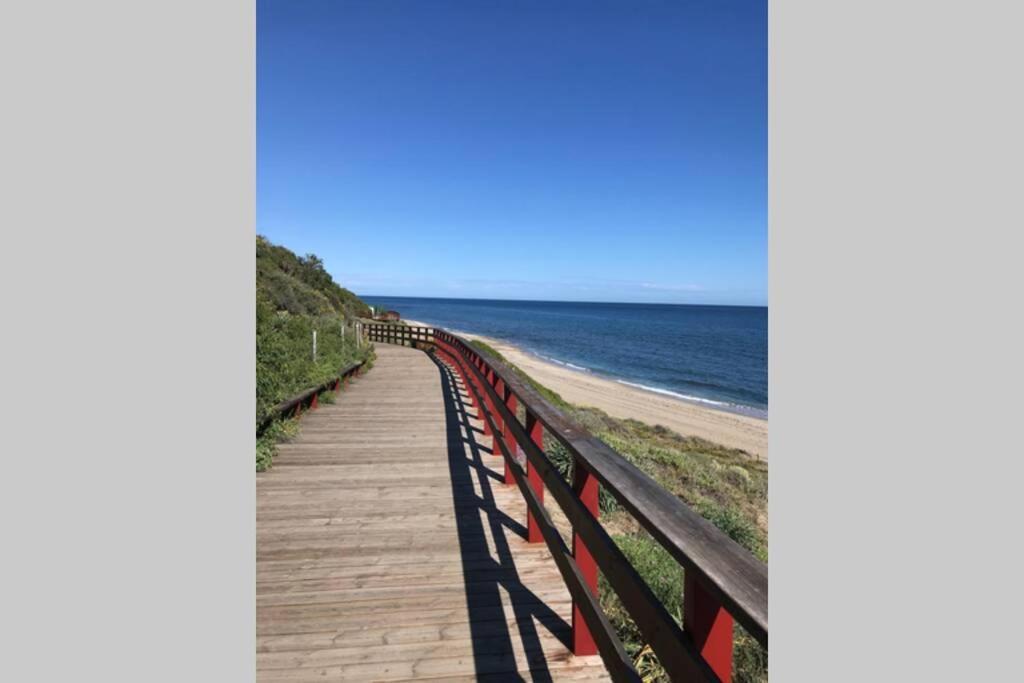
pixel 553 301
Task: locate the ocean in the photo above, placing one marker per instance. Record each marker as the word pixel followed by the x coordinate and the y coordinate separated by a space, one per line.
pixel 712 355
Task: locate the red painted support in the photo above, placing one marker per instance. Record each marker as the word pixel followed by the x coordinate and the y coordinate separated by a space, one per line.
pixel 465 379
pixel 337 385
pixel 465 382
pixel 452 362
pixel 536 431
pixel 510 440
pixel 483 392
pixel 499 425
pixel 584 485
pixel 314 402
pixel 708 625
pixel 482 403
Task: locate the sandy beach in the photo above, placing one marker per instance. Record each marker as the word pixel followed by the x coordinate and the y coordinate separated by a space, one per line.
pixel 736 431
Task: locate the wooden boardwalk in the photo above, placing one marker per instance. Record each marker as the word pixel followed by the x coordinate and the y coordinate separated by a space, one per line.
pixel 389 549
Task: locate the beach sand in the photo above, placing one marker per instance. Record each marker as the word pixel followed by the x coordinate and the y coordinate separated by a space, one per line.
pixel 728 429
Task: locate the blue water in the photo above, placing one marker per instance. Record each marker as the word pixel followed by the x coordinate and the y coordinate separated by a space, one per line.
pixel 714 355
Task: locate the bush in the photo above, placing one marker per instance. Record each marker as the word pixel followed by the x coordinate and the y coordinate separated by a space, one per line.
pixel 266 445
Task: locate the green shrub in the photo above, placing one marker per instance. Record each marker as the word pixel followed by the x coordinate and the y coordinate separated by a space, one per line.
pixel 264 454
pixel 266 445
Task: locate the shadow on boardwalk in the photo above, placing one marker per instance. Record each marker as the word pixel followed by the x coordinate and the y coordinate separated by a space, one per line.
pixel 488 573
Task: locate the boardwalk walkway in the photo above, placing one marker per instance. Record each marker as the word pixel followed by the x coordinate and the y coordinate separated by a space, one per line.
pixel 389 549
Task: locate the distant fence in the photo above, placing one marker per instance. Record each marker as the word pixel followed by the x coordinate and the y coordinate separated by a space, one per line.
pixel 722 581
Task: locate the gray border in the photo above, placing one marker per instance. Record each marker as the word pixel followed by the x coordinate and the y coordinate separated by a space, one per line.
pixel 894 340
pixel 127 487
pixel 128 344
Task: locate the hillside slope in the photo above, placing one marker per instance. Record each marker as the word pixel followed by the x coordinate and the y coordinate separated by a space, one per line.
pixel 300 284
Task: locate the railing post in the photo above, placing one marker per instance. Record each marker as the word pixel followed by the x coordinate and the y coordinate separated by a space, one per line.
pixel 510 439
pixel 466 379
pixel 453 352
pixel 499 424
pixel 536 431
pixel 708 625
pixel 487 399
pixel 313 402
pixel 584 485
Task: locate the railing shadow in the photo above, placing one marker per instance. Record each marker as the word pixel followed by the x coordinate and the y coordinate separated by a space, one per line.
pixel 489 574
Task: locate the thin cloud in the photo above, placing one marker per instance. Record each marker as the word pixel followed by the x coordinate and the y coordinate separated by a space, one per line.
pixel 672 288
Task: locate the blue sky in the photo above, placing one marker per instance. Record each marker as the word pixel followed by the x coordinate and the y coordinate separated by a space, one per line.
pixel 575 151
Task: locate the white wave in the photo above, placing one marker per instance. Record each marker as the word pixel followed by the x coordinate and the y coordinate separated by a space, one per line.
pixel 674 394
pixel 564 364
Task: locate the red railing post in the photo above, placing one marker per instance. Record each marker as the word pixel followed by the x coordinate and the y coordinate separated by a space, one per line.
pixel 536 431
pixel 708 625
pixel 584 485
pixel 499 425
pixel 466 378
pixel 465 381
pixel 510 439
pixel 313 402
pixel 483 392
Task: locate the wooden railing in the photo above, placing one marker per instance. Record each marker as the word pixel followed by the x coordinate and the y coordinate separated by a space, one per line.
pixel 722 580
pixel 397 333
pixel 307 399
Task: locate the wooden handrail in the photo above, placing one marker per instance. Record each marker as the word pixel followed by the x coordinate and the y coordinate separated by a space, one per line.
pixel 307 397
pixel 723 579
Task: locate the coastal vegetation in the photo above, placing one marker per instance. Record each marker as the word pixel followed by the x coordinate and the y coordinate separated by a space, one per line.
pixel 725 486
pixel 300 285
pixel 295 296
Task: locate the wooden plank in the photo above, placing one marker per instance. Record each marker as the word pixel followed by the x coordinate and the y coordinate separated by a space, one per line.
pixel 362 636
pixel 291 623
pixel 461 648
